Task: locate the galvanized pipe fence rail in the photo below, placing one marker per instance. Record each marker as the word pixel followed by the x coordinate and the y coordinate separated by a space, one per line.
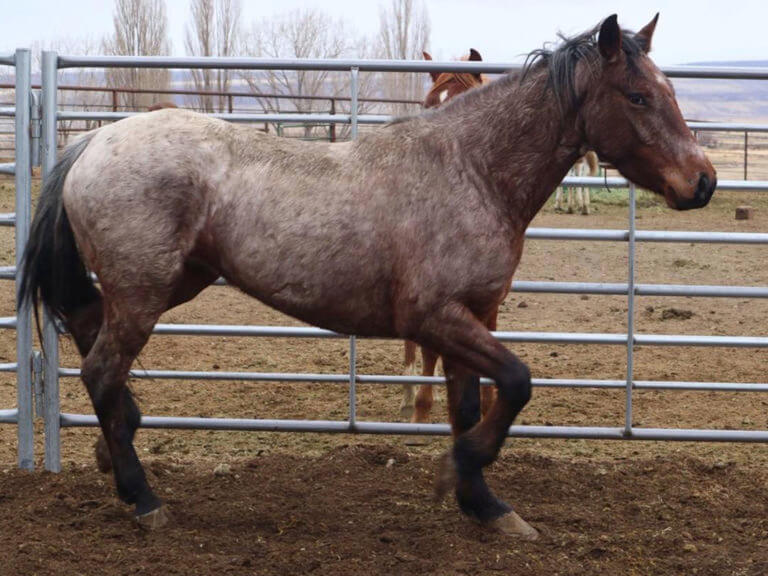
pixel 230 97
pixel 54 419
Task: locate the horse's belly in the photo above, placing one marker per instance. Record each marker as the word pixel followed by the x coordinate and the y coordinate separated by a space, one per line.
pixel 339 289
pixel 349 310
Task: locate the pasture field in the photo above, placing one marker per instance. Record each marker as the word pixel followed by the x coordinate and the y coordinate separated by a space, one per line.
pixel 331 503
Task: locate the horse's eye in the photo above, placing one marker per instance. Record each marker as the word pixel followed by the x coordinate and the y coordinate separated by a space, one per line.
pixel 637 99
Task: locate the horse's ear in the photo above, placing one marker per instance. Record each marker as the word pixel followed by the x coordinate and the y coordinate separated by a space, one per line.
pixel 474 56
pixel 609 38
pixel 433 75
pixel 645 35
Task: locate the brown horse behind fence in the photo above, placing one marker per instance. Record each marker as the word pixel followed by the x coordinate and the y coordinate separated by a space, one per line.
pixel 161 106
pixel 413 231
pixel 445 86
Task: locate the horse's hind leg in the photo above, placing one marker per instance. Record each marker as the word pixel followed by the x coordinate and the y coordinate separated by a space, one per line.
pixel 559 199
pixel 84 325
pixel 583 190
pixel 125 329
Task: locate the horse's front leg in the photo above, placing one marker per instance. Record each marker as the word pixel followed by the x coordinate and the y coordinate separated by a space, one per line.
pixel 407 400
pixel 469 349
pixel 425 396
pixel 585 204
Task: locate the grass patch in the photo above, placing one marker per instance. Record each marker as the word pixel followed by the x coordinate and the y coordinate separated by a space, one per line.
pixel 618 197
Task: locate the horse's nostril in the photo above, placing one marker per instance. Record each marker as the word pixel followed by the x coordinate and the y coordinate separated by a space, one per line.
pixel 703 190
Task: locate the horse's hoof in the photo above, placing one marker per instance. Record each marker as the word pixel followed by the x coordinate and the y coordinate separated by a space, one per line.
pixel 512 525
pixel 103 459
pixel 153 520
pixel 406 412
pixel 445 479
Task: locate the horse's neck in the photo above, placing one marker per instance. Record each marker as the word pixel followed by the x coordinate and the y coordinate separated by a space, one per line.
pixel 526 148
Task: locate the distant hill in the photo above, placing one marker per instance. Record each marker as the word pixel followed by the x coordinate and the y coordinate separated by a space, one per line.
pixel 738 63
pixel 725 100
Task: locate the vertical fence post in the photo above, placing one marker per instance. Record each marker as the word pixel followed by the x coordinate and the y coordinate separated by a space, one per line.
pixel 50 335
pixel 23 172
pixel 746 143
pixel 630 312
pixel 333 124
pixel 35 128
pixel 352 340
pixel 37 383
pixel 354 87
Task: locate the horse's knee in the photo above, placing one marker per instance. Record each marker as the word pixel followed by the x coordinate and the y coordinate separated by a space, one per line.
pixel 515 385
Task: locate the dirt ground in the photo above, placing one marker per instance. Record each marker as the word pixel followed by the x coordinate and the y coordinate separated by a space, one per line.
pixel 329 504
pixel 349 512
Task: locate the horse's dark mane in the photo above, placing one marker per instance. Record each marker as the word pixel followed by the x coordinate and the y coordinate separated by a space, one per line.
pixel 562 60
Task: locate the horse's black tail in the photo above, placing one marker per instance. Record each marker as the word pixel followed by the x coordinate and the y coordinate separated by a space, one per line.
pixel 52 270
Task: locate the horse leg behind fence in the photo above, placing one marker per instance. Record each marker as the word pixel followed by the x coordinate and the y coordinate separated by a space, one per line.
pixel 588 165
pixel 416 401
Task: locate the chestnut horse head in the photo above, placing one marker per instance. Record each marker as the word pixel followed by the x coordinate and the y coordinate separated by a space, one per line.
pixel 446 85
pixel 626 111
pixel 161 106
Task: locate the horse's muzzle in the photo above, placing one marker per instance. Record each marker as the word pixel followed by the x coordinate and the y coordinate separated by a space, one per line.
pixel 703 194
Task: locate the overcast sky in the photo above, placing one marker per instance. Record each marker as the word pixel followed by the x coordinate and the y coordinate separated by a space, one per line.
pixel 688 30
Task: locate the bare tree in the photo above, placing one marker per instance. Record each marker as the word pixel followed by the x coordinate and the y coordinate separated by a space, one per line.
pixel 214 30
pixel 303 34
pixel 140 29
pixel 76 100
pixel 404 31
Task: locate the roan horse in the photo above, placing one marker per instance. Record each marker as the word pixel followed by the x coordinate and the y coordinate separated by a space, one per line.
pixel 423 219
